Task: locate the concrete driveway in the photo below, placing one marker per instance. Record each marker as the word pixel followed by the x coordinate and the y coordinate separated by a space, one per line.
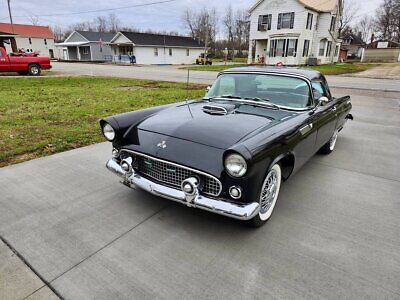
pixel 175 73
pixel 334 233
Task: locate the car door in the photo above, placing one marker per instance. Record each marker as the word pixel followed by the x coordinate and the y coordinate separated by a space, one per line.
pixel 4 65
pixel 325 116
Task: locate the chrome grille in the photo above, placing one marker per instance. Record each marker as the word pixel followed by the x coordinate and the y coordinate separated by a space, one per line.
pixel 172 174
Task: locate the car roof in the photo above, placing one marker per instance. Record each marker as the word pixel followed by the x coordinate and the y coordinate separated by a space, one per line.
pixel 309 74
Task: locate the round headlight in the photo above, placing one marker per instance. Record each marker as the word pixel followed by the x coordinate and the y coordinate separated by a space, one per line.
pixel 235 165
pixel 109 132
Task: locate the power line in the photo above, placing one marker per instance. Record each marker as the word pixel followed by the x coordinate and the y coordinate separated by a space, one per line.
pixel 101 10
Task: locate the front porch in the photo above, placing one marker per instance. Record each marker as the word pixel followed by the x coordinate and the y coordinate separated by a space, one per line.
pixel 75 51
pixel 123 53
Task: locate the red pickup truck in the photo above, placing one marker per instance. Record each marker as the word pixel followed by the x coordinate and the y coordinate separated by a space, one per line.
pixel 23 64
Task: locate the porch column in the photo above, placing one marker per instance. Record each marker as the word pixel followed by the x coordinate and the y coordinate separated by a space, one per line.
pixel 250 55
pixel 78 54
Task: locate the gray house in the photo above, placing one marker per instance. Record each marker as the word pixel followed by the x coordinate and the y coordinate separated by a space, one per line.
pixel 86 46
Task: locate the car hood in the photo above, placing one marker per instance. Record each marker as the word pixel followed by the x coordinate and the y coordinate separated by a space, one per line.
pixel 191 123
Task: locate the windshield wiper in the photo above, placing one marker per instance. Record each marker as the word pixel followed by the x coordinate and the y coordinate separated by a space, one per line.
pixel 226 97
pixel 266 101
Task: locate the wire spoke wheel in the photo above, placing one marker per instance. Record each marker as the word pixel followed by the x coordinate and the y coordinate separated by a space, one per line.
pixel 269 194
pixel 269 191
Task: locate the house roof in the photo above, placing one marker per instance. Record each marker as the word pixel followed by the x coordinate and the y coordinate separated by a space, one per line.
pixel 318 5
pixel 93 36
pixel 32 31
pixel 6 34
pixel 354 39
pixel 150 39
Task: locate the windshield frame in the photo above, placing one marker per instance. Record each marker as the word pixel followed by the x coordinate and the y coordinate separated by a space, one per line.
pixel 290 75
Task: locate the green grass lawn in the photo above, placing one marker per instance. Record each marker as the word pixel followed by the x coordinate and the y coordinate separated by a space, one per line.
pixel 41 116
pixel 335 69
pixel 236 59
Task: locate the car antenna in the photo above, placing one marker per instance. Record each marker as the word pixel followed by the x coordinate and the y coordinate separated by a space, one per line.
pixel 187 92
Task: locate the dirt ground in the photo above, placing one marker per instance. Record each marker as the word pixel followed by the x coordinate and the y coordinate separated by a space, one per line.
pixel 384 71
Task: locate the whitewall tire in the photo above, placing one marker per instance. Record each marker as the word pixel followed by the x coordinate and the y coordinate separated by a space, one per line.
pixel 268 195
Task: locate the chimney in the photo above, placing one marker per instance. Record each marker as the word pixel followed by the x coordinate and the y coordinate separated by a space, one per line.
pixel 372 38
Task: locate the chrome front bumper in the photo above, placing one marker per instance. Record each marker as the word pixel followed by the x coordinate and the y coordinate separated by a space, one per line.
pixel 218 206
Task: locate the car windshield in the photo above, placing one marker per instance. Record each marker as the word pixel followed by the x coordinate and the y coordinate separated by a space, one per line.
pixel 280 90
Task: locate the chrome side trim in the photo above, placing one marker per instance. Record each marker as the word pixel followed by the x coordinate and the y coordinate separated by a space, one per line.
pixel 243 212
pixel 177 165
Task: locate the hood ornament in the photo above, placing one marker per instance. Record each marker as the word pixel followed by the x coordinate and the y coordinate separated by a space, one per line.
pixel 162 145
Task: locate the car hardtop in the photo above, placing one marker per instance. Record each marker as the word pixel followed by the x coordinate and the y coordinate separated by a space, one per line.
pixel 305 73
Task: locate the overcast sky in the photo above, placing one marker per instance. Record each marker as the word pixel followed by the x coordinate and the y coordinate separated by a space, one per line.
pixel 163 16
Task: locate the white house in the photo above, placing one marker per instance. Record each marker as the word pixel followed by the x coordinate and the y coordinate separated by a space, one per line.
pixel 292 31
pixel 30 38
pixel 155 48
pixel 86 46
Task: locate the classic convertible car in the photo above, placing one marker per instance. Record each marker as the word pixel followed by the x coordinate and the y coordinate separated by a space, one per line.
pixel 229 152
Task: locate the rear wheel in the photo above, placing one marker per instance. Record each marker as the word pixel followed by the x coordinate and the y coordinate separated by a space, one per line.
pixel 268 196
pixel 34 70
pixel 330 145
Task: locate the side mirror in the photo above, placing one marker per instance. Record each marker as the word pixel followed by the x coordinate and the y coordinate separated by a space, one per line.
pixel 208 88
pixel 323 101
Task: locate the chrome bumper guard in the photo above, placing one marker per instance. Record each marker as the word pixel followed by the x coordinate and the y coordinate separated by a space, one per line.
pixel 218 206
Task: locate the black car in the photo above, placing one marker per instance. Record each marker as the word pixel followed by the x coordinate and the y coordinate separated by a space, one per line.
pixel 229 152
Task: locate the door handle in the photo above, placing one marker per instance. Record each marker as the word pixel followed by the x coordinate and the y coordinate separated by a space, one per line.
pixel 305 129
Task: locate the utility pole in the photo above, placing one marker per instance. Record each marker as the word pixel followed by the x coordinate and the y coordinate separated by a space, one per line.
pixel 9 12
pixel 12 40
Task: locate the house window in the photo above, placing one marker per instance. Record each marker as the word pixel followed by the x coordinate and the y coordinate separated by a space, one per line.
pixel 322 44
pixel 187 52
pixel 264 22
pixel 279 47
pixel 283 48
pixel 333 23
pixel 329 49
pixel 291 48
pixel 336 50
pixel 286 20
pixel 309 21
pixel 30 41
pixel 85 50
pixel 45 42
pixel 155 51
pixel 306 47
pixel 170 51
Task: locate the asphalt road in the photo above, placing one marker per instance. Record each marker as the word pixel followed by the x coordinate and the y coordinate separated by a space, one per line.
pixel 334 233
pixel 174 73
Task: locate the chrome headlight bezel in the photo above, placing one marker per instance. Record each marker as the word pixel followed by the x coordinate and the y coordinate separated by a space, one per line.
pixel 108 132
pixel 235 165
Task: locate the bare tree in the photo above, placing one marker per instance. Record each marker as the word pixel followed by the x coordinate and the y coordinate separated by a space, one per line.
pixel 388 20
pixel 229 24
pixel 365 28
pixel 202 25
pixel 241 30
pixel 113 23
pixel 34 20
pixel 101 23
pixel 350 11
pixel 58 32
pixel 188 20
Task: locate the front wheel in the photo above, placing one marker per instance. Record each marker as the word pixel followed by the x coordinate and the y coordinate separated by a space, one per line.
pixel 34 70
pixel 268 196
